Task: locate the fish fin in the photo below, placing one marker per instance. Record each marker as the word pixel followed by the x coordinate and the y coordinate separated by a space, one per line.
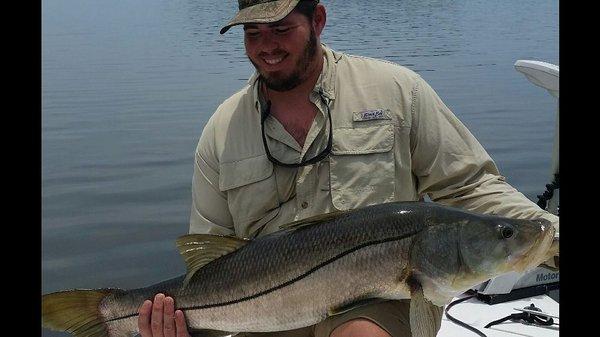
pixel 200 249
pixel 313 220
pixel 76 312
pixel 425 317
pixel 208 333
pixel 353 305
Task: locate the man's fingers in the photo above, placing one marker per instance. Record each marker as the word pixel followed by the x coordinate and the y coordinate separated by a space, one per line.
pixel 169 317
pixel 144 319
pixel 157 316
pixel 180 324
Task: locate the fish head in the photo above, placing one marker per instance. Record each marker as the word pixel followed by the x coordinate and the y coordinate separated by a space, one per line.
pixel 491 246
pixel 455 255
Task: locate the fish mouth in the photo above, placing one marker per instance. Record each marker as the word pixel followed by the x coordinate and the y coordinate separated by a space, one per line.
pixel 538 252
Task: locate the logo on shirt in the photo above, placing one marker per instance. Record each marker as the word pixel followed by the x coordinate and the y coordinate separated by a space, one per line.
pixel 368 115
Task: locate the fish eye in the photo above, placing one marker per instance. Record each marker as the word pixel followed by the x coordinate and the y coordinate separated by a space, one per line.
pixel 507 232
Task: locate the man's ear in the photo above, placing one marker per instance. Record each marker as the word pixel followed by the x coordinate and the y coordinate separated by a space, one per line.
pixel 319 19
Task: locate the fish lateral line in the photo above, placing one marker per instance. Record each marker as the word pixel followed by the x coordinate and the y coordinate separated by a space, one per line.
pixel 287 283
pixel 301 276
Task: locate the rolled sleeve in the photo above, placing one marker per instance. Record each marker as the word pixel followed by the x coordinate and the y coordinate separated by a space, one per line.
pixel 453 168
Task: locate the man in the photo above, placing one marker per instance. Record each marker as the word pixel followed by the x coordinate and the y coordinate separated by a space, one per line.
pixel 314 131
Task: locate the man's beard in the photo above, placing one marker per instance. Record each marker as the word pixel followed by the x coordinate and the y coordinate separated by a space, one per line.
pixel 278 83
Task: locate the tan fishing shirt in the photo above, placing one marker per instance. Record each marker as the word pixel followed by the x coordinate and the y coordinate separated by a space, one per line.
pixel 393 140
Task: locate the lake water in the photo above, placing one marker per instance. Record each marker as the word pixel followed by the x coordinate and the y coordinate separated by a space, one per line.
pixel 129 84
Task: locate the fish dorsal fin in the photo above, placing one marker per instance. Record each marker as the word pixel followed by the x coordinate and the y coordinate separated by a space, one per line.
pixel 199 249
pixel 313 220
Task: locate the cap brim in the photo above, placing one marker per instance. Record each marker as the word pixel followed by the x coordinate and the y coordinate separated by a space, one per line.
pixel 262 13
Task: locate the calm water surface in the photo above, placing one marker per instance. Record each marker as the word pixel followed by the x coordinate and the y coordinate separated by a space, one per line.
pixel 129 84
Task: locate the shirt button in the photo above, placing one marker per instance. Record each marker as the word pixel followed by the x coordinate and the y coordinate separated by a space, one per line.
pixel 304 204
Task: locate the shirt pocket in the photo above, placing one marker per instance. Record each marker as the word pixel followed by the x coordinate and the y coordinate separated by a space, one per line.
pixel 251 192
pixel 361 166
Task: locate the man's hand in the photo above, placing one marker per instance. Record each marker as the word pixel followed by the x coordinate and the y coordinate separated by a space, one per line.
pixel 159 319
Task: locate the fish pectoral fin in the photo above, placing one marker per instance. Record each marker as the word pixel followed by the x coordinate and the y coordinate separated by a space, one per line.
pixel 208 333
pixel 313 220
pixel 425 317
pixel 199 249
pixel 353 305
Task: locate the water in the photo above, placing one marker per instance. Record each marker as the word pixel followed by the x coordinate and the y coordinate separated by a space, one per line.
pixel 129 84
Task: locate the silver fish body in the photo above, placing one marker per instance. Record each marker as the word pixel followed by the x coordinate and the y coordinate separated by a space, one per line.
pixel 314 268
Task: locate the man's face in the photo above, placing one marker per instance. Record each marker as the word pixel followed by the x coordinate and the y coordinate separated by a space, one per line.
pixel 283 52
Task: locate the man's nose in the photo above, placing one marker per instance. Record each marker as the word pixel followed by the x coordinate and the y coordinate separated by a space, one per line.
pixel 268 42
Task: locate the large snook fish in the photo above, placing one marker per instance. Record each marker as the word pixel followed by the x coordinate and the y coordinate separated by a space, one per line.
pixel 318 267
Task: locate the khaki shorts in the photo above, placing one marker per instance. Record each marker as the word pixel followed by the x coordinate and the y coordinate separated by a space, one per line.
pixel 392 316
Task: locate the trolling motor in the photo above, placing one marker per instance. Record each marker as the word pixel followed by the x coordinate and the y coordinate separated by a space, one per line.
pixel 546 75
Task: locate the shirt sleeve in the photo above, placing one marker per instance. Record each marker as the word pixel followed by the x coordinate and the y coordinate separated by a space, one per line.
pixel 452 167
pixel 210 213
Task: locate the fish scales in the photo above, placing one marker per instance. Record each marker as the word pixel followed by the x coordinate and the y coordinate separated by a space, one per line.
pixel 307 301
pixel 286 256
pixel 282 259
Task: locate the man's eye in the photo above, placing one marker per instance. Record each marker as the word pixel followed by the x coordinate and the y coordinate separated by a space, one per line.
pixel 282 30
pixel 251 33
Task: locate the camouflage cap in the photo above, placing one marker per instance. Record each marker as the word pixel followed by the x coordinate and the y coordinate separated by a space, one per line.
pixel 261 11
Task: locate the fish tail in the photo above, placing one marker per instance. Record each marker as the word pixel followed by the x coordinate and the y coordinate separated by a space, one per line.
pixel 76 312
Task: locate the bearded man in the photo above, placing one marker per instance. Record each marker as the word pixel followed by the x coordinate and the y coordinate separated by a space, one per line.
pixel 315 131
